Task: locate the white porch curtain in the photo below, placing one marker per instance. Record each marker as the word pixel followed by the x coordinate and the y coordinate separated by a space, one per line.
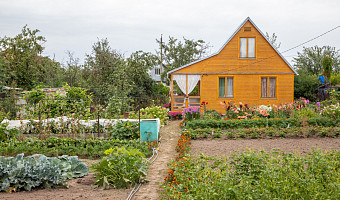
pixel 192 82
pixel 181 82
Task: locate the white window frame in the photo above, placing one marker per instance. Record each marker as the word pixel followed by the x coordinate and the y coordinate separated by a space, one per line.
pixel 245 49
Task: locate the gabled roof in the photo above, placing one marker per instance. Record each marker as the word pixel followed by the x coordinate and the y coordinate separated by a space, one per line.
pixel 237 30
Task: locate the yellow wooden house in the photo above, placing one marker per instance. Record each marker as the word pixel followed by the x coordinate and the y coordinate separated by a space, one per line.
pixel 247 69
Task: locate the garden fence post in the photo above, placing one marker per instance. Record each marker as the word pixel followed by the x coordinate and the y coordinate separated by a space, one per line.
pixel 139 100
pixel 39 120
pixel 98 119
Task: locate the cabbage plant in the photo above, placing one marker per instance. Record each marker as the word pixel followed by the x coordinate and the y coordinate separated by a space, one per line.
pixel 26 173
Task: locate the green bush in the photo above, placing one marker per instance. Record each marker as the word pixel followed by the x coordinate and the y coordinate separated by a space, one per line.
pixel 152 112
pixel 121 168
pixel 38 171
pixel 306 86
pixel 335 79
pixel 76 103
pixel 7 134
pixel 332 111
pixel 212 114
pixel 124 130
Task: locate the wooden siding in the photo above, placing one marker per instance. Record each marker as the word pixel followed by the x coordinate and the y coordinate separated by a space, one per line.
pixel 228 61
pixel 247 89
pixel 247 72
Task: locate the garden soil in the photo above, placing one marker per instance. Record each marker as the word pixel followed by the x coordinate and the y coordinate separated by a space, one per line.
pixel 218 147
pixel 82 188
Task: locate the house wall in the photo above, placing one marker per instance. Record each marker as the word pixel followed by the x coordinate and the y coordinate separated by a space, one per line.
pixel 246 72
pixel 247 89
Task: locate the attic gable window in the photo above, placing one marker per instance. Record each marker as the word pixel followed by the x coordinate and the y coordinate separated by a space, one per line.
pixel 247 47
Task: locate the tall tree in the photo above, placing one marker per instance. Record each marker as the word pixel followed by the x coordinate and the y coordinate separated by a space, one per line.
pixel 310 60
pixel 177 53
pixel 138 66
pixel 23 60
pixel 107 71
pixel 72 70
pixel 327 66
pixel 53 73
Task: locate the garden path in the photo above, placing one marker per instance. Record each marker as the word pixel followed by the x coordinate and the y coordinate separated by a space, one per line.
pixel 169 136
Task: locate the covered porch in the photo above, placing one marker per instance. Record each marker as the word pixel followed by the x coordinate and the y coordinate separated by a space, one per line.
pixel 185 97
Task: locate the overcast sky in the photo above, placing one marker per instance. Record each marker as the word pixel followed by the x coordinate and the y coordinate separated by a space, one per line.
pixel 132 25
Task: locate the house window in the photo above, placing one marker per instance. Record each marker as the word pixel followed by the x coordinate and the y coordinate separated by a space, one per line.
pixel 226 86
pixel 268 87
pixel 247 47
pixel 157 71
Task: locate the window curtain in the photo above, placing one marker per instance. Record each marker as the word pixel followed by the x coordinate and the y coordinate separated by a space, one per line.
pixel 243 47
pixel 221 87
pixel 272 87
pixel 182 82
pixel 192 82
pixel 230 86
pixel 251 47
pixel 263 87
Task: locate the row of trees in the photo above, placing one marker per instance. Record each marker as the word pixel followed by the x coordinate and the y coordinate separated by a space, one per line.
pixel 109 74
pixel 312 62
pixel 105 71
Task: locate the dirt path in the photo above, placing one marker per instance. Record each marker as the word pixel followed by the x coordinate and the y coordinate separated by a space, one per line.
pixel 157 171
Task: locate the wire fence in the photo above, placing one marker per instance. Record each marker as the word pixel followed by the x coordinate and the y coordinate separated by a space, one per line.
pixel 77 117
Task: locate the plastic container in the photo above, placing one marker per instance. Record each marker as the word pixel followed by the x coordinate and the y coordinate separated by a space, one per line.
pixel 149 130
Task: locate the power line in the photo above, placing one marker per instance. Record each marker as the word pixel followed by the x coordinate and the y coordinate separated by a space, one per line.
pixel 287 49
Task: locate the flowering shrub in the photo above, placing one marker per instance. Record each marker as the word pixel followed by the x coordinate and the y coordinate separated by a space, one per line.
pixel 191 113
pixel 237 112
pixel 335 95
pixel 332 111
pixel 175 114
pixel 243 111
pixel 264 110
pixel 167 105
pixel 183 144
pixel 204 105
pixel 183 147
pixel 151 113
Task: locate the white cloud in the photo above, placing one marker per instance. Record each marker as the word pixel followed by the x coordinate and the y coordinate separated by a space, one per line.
pixel 132 25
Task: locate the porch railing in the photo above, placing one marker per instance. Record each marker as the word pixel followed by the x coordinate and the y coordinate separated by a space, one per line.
pixel 180 102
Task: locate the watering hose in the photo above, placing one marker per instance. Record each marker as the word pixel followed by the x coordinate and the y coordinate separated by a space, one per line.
pixel 151 160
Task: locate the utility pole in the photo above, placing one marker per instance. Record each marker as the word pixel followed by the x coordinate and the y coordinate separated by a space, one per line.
pixel 161 56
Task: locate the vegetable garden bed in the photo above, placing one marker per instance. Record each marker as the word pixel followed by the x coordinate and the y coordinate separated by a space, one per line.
pixel 300 170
